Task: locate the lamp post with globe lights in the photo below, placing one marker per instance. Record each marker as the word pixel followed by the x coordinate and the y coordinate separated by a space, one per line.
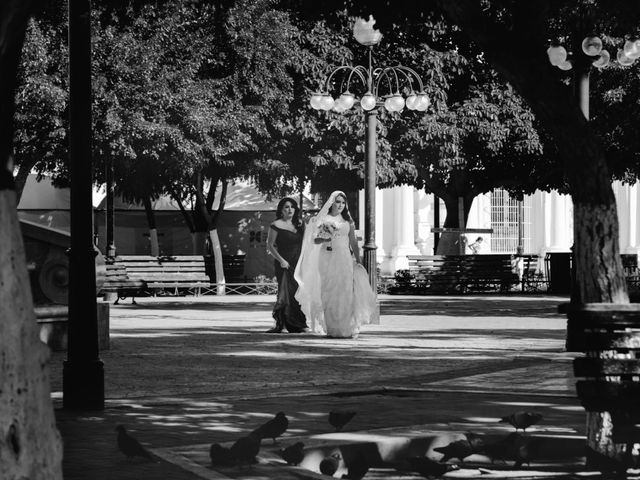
pixel 593 54
pixel 390 87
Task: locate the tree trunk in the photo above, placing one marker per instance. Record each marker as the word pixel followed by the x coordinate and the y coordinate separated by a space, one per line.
pixel 30 445
pixel 449 243
pixel 154 245
pixel 597 258
pixel 153 231
pixel 217 261
pixel 203 215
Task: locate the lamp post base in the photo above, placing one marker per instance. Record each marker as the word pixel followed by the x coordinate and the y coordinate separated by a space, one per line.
pixel 83 385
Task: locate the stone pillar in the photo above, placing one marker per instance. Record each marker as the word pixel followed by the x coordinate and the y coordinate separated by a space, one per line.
pixel 538 223
pixel 627 203
pixel 558 222
pixel 423 221
pixel 382 231
pixel 403 226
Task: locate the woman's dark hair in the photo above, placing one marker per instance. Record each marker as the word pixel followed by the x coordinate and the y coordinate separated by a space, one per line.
pixel 296 213
pixel 345 211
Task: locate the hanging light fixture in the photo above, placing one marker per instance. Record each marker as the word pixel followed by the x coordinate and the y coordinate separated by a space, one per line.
pixel 393 80
pixel 592 47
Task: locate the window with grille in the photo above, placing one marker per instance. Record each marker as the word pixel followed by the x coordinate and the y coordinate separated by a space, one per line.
pixel 506 216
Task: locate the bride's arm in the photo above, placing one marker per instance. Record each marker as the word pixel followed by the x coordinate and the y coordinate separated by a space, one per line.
pixel 353 242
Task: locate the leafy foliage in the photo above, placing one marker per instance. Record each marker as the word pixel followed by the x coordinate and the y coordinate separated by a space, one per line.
pixel 40 134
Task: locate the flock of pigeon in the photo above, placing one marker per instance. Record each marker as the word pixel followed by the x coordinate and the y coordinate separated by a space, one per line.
pixel 515 447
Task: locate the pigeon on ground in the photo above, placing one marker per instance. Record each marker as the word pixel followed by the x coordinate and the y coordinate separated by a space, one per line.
pixel 476 441
pixel 293 454
pixel 522 420
pixel 329 465
pixel 338 419
pixel 273 428
pixel 459 449
pixel 429 468
pixel 221 456
pixel 129 445
pixel 245 449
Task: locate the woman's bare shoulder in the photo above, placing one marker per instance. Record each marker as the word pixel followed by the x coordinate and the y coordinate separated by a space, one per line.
pixel 277 224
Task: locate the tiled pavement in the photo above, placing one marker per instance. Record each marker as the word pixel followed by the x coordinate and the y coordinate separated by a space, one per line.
pixel 183 373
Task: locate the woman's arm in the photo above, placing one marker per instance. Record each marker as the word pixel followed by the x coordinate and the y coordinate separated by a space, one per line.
pixel 273 250
pixel 353 242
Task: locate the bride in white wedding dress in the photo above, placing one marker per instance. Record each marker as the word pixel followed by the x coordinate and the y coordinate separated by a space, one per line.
pixel 334 290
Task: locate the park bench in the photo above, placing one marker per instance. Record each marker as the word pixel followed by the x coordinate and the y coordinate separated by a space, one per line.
pixel 493 272
pixel 462 273
pixel 436 273
pixel 533 278
pixel 117 281
pixel 632 275
pixel 153 275
pixel 609 373
pixel 232 265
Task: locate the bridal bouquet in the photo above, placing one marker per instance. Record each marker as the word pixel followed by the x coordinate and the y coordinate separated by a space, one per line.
pixel 327 230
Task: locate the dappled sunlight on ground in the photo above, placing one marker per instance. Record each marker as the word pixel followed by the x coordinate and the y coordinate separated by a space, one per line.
pixel 182 375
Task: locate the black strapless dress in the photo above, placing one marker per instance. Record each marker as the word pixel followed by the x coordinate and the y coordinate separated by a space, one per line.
pixel 287 312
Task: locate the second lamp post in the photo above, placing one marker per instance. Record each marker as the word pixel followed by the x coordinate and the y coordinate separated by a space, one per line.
pixel 390 87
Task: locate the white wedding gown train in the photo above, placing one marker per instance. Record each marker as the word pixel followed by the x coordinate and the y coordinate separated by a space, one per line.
pixel 345 300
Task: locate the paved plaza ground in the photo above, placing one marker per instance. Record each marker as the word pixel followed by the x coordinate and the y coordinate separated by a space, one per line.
pixel 186 372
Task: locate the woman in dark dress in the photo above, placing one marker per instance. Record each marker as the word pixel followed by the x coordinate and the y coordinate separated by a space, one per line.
pixel 284 243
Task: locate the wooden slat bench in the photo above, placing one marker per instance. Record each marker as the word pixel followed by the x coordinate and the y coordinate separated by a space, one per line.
pixel 462 273
pixel 489 272
pixel 533 277
pixel 437 273
pixel 175 274
pixel 117 281
pixel 232 265
pixel 609 372
pixel 632 274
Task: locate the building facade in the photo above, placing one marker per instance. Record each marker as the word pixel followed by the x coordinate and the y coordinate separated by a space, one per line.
pixel 541 223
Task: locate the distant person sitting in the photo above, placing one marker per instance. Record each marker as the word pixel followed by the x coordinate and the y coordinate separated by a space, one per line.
pixel 476 246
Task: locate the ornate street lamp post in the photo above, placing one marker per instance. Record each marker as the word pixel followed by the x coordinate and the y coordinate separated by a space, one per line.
pixel 83 371
pixel 595 55
pixel 390 87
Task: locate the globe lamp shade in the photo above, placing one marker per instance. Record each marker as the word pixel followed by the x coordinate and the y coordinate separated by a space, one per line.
pixel 326 102
pixel 422 103
pixel 411 101
pixel 632 49
pixel 347 100
pixel 316 101
pixel 368 101
pixel 394 103
pixel 592 46
pixel 603 60
pixel 557 55
pixel 623 59
pixel 338 107
pixel 566 65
